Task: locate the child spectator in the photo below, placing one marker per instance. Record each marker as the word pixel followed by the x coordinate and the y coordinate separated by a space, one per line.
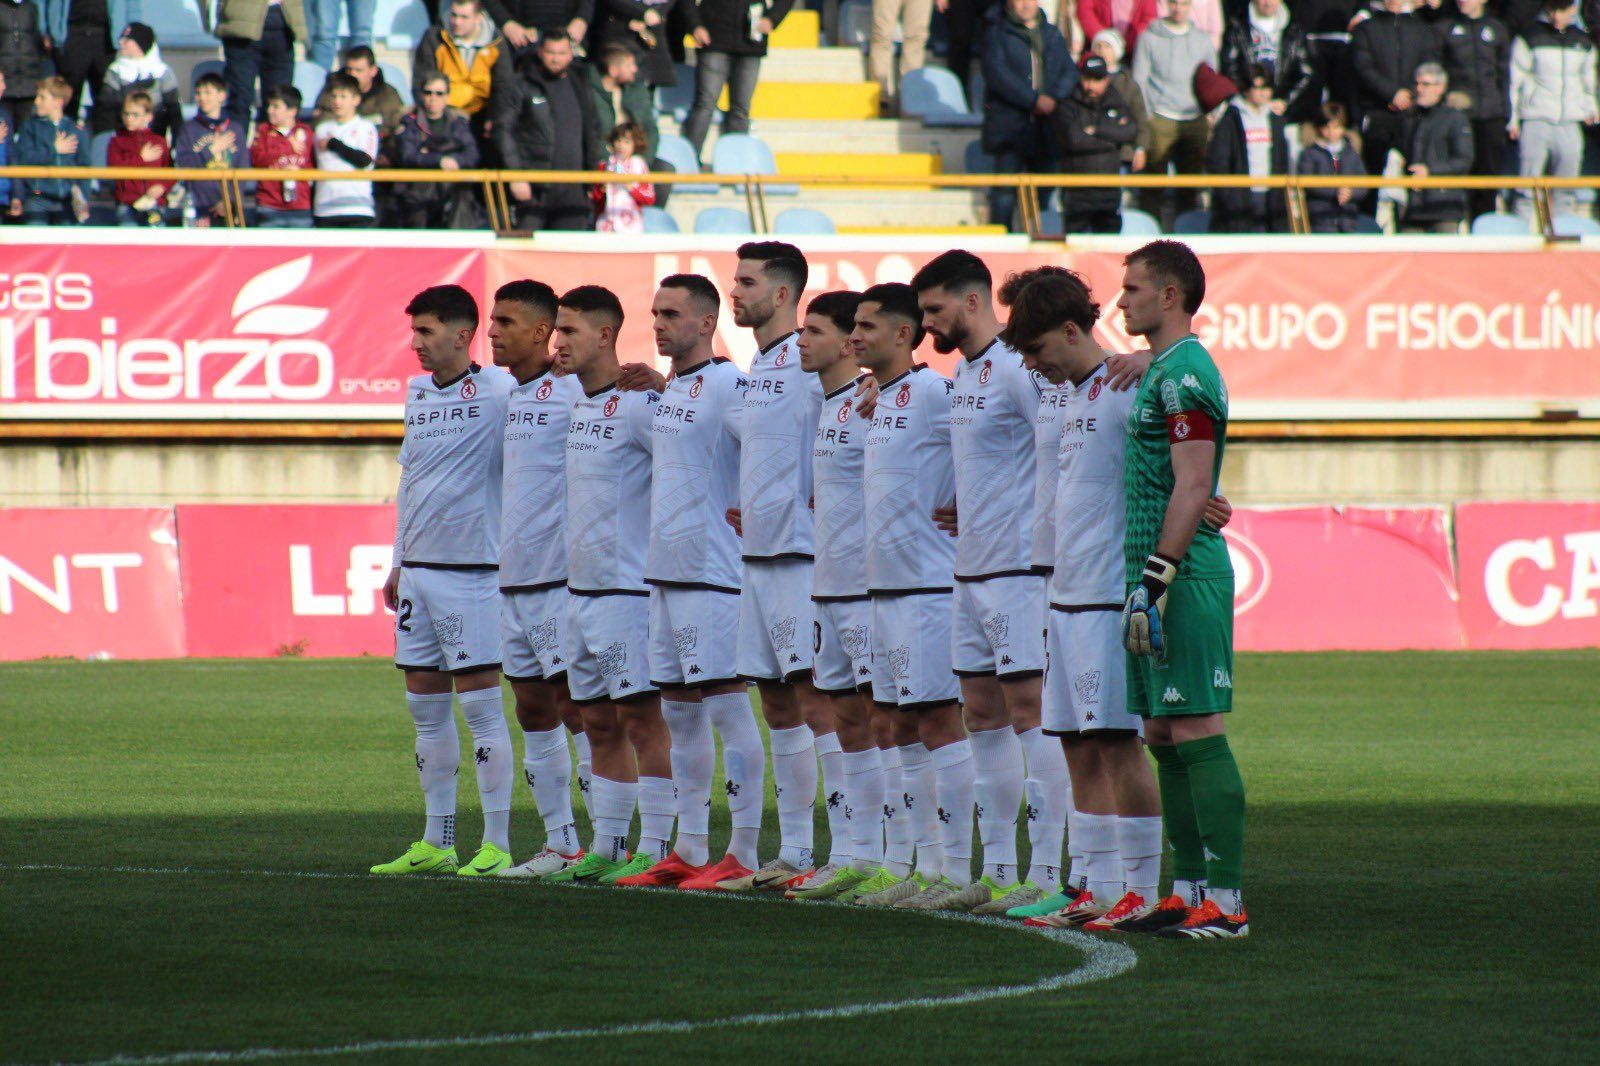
pixel 139 68
pixel 432 137
pixel 620 204
pixel 208 141
pixel 50 139
pixel 345 141
pixel 1330 151
pixel 137 145
pixel 283 142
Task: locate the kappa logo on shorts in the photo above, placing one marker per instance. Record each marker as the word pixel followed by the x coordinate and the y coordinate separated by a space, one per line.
pixel 997 627
pixel 854 640
pixel 613 659
pixel 1220 678
pixel 900 662
pixel 783 633
pixel 1172 695
pixel 448 629
pixel 1088 686
pixel 543 635
pixel 685 639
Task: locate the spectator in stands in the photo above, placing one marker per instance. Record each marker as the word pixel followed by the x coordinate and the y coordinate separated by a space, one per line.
pixel 642 26
pixel 1439 145
pixel 1128 17
pixel 964 21
pixel 1552 98
pixel 1169 54
pixel 210 139
pixel 621 205
pixel 138 67
pixel 346 140
pixel 731 36
pixel 322 19
pixel 1385 50
pixel 1269 36
pixel 12 206
pixel 80 37
pixel 283 142
pixel 544 120
pixel 257 48
pixel 1329 152
pixel 1066 20
pixel 1249 139
pixel 432 137
pixel 1108 45
pixel 468 50
pixel 380 102
pixel 1026 75
pixel 520 20
pixel 1095 126
pixel 139 203
pixel 1206 16
pixel 50 139
pixel 21 57
pixel 620 96
pixel 913 17
pixel 1475 51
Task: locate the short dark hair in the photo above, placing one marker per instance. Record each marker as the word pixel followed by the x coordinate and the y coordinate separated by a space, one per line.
pixel 1049 301
pixel 838 307
pixel 549 34
pixel 1329 113
pixel 447 303
pixel 1257 72
pixel 898 299
pixel 695 285
pixel 211 78
pixel 1557 5
pixel 783 262
pixel 630 131
pixel 615 51
pixel 532 294
pixel 594 300
pixel 1016 281
pixel 340 80
pixel 287 95
pixel 1176 264
pixel 955 269
pixel 359 51
pixel 463 3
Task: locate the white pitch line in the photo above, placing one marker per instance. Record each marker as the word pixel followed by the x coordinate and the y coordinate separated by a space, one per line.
pixel 1102 961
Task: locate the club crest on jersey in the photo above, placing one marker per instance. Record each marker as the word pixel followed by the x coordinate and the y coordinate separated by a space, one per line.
pixel 903 397
pixel 610 408
pixel 783 357
pixel 1094 389
pixel 1180 427
pixel 983 375
pixel 694 389
pixel 543 391
pixel 844 412
pixel 468 389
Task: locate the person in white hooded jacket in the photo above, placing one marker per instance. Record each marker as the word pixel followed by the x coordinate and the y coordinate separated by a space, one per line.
pixel 1553 96
pixel 138 67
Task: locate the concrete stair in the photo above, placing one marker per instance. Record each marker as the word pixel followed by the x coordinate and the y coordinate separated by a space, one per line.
pixel 888 136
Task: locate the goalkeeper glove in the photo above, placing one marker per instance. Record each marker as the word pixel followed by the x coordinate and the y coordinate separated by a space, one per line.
pixel 1141 615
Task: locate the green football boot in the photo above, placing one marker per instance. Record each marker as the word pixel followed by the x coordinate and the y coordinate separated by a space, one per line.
pixel 1022 894
pixel 636 865
pixel 421 858
pixel 489 861
pixel 1049 905
pixel 592 868
pixel 838 881
pixel 884 889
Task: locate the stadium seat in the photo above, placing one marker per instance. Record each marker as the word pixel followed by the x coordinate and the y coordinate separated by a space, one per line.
pixel 309 79
pixel 680 153
pixel 658 221
pixel 1192 222
pixel 803 220
pixel 1136 223
pixel 934 95
pixel 1495 224
pixel 178 24
pixel 1574 226
pixel 675 100
pixel 976 161
pixel 99 146
pixel 1050 223
pixel 399 23
pixel 400 81
pixel 740 153
pixel 722 220
pixel 207 66
pixel 1367 225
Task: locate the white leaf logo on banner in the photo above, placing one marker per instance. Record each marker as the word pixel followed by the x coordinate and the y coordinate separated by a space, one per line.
pixel 261 315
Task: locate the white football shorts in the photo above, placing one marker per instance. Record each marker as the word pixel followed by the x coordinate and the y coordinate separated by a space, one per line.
pixel 842 643
pixel 692 637
pixel 1086 684
pixel 911 651
pixel 775 620
pixel 998 628
pixel 533 633
pixel 448 620
pixel 608 641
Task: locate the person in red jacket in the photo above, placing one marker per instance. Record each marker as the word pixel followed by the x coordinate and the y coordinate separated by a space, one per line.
pixel 283 142
pixel 139 203
pixel 1127 17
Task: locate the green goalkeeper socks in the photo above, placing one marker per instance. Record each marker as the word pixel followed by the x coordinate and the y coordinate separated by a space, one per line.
pixel 1218 805
pixel 1177 813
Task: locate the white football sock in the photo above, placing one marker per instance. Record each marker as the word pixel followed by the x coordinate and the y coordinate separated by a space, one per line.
pixel 438 758
pixel 547 765
pixel 694 759
pixel 997 787
pixel 657 809
pixel 899 848
pixel 613 812
pixel 952 767
pixel 837 805
pixel 1139 843
pixel 794 776
pixel 1101 857
pixel 1077 872
pixel 920 798
pixel 744 762
pixel 864 794
pixel 1228 900
pixel 581 742
pixel 484 710
pixel 1193 893
pixel 1049 797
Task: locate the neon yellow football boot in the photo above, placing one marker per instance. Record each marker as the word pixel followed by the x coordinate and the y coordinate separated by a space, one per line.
pixel 421 858
pixel 489 861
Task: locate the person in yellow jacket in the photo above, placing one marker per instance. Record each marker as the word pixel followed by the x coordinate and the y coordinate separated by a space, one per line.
pixel 465 47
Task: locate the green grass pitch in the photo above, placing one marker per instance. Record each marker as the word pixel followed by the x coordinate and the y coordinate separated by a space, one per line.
pixel 1421 865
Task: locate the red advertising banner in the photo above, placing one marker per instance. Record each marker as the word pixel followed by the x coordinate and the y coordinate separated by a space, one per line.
pixel 1350 579
pixel 1530 574
pixel 91 582
pixel 175 331
pixel 291 580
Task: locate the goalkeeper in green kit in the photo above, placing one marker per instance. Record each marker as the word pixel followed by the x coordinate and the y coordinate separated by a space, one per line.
pixel 1178 620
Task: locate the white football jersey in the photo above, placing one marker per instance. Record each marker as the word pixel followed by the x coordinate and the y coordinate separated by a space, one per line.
pixel 907 473
pixel 449 502
pixel 1090 513
pixel 781 403
pixel 837 455
pixel 1046 463
pixel 696 479
pixel 608 491
pixel 992 412
pixel 533 511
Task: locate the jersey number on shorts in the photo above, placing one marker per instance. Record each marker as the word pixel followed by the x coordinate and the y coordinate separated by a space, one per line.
pixel 403 619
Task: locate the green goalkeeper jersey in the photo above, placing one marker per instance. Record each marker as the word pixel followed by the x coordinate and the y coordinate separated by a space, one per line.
pixel 1182 397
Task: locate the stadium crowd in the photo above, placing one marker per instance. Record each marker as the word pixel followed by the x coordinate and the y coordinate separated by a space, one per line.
pixel 1237 87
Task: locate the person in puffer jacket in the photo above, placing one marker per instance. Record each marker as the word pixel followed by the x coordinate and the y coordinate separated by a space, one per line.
pixel 1439 146
pixel 1330 151
pixel 431 137
pixel 1552 98
pixel 1475 50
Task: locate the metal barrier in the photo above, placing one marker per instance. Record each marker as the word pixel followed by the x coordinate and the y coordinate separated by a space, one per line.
pixel 499 203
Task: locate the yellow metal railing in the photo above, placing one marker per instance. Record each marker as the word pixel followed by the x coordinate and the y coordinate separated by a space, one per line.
pixel 499 203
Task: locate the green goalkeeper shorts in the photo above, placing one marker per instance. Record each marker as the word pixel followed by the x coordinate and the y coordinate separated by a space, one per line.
pixel 1196 675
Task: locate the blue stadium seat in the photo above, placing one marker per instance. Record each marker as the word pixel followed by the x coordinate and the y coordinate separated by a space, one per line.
pixel 1192 222
pixel 399 23
pixel 99 146
pixel 309 79
pixel 740 153
pixel 176 22
pixel 400 82
pixel 680 153
pixel 722 220
pixel 934 95
pixel 976 160
pixel 1136 223
pixel 1050 223
pixel 658 221
pixel 1574 226
pixel 1496 224
pixel 803 220
pixel 675 100
pixel 1367 225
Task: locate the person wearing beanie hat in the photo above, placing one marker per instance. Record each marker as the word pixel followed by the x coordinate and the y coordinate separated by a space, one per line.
pixel 138 67
pixel 1165 61
pixel 1109 45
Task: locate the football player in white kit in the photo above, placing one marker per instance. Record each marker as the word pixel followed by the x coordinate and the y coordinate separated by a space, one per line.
pixel 694 573
pixel 444 587
pixel 907 474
